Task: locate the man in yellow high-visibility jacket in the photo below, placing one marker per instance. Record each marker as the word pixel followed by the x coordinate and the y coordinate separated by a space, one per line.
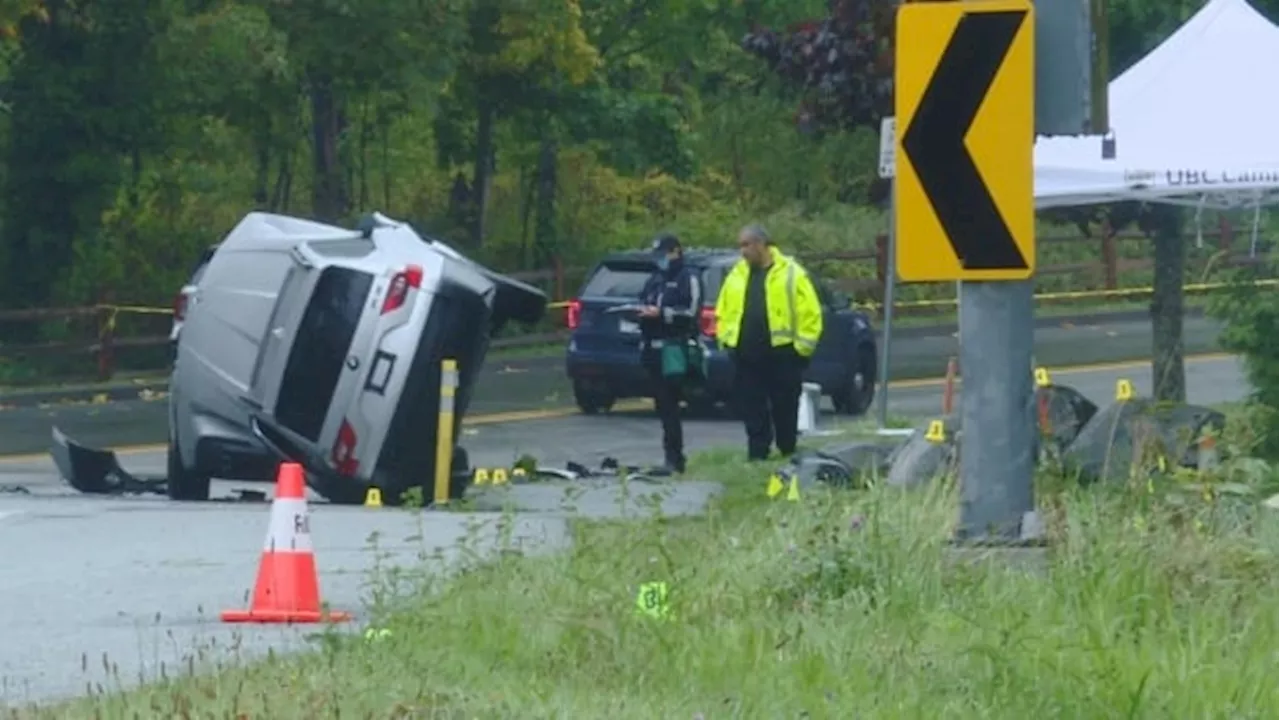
pixel 769 319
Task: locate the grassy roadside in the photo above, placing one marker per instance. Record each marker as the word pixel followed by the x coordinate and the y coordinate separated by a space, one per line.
pixel 1153 604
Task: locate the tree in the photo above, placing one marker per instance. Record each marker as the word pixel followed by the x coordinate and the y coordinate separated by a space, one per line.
pixel 346 52
pixel 517 50
pixel 83 118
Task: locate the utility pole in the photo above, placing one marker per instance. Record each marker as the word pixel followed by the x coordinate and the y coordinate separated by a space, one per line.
pixel 967 75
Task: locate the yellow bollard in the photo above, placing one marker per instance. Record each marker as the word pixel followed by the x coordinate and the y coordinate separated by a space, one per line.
pixel 444 430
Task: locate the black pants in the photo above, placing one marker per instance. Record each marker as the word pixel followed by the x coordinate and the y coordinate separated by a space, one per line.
pixel 666 400
pixel 767 386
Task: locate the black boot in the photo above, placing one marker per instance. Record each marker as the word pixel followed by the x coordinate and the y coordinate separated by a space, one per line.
pixel 675 463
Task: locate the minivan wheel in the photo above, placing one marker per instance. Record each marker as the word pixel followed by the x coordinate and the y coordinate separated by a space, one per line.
pixel 856 396
pixel 181 483
pixel 591 402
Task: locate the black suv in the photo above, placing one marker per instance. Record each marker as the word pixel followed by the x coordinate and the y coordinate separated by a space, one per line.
pixel 603 358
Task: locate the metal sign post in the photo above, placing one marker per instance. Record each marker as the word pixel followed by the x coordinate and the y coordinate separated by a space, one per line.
pixel 888 143
pixel 964 89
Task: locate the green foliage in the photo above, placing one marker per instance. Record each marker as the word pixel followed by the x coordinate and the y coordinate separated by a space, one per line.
pixel 140 132
pixel 1251 328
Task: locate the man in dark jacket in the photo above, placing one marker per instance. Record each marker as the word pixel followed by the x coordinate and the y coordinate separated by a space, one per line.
pixel 670 301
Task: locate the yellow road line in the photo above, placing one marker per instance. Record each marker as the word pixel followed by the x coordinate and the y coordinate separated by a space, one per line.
pixel 633 405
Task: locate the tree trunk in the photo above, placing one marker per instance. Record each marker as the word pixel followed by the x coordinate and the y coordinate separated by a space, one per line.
pixel 484 167
pixel 328 192
pixel 366 132
pixel 262 171
pixel 545 246
pixel 1169 380
pixel 384 125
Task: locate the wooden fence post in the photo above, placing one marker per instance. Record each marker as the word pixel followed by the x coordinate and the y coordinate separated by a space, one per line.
pixel 106 343
pixel 1225 234
pixel 1110 277
pixel 882 257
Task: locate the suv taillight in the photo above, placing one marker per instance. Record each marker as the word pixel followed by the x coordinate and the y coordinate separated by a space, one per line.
pixel 398 290
pixel 707 322
pixel 573 314
pixel 180 306
pixel 344 451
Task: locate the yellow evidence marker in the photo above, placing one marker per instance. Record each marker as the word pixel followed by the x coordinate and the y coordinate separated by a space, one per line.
pixel 775 486
pixel 1042 377
pixel 481 477
pixel 652 601
pixel 499 476
pixel 1124 390
pixel 936 433
pixel 373 497
pixel 519 473
pixel 793 492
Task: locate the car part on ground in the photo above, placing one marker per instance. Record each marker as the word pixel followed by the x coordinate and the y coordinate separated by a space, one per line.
pixel 848 467
pixel 925 457
pixel 98 472
pixel 1061 412
pixel 1140 435
pixel 326 345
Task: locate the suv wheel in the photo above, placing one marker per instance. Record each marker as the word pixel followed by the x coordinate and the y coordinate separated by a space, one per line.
pixel 856 395
pixel 591 401
pixel 181 483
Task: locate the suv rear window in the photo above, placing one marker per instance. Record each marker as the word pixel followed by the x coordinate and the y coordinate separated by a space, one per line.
pixel 626 280
pixel 320 347
pixel 618 280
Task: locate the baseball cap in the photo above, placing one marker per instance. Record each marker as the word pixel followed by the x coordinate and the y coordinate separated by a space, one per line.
pixel 665 243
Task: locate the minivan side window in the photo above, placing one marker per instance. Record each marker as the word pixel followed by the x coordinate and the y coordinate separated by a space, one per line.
pixel 320 348
pixel 617 280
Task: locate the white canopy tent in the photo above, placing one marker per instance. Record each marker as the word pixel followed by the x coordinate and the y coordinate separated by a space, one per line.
pixel 1196 121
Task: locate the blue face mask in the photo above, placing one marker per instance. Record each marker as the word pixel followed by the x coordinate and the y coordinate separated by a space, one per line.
pixel 664 263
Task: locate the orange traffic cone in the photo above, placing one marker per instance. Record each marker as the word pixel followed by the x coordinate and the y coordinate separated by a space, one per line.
pixel 288 589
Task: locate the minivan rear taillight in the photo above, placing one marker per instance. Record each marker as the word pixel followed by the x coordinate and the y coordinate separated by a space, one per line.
pixel 573 314
pixel 707 322
pixel 398 291
pixel 180 306
pixel 344 451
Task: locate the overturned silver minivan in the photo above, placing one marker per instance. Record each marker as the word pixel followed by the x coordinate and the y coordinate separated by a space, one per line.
pixel 324 345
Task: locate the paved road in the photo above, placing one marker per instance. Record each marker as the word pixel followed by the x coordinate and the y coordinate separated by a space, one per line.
pixel 533 386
